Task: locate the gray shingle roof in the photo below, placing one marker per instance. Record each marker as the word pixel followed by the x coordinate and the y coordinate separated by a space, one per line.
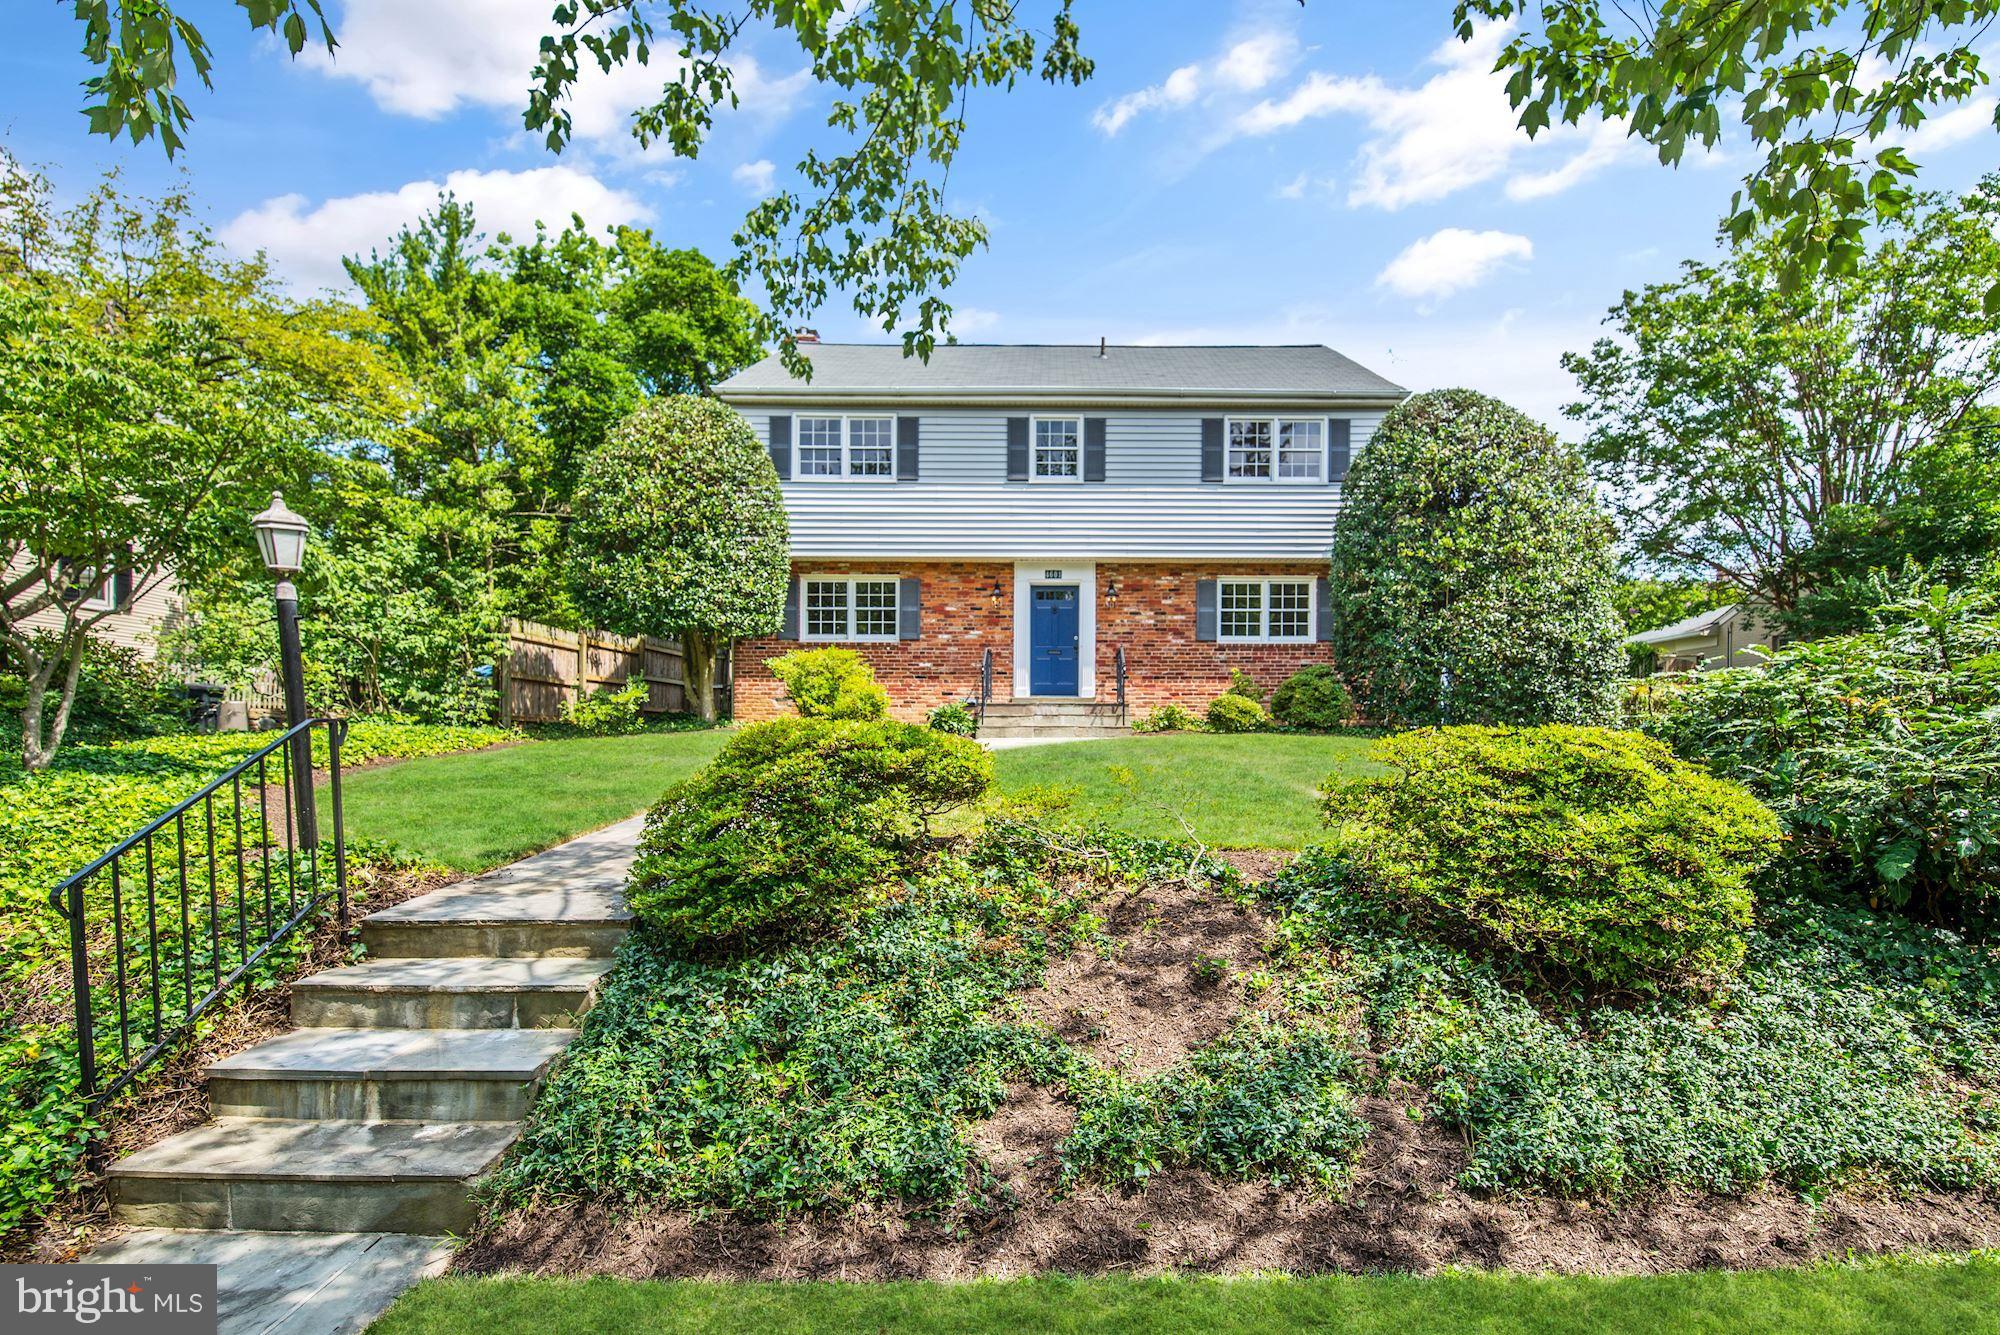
pixel 1307 369
pixel 1701 623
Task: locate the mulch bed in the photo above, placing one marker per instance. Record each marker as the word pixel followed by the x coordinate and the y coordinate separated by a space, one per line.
pixel 1141 1007
pixel 173 1097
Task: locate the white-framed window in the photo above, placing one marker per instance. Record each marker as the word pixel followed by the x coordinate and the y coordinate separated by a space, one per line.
pixel 861 446
pixel 1276 611
pixel 849 607
pixel 1058 448
pixel 1276 449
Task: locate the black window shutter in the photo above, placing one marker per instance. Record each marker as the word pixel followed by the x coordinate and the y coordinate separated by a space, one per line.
pixel 1093 449
pixel 907 429
pixel 1340 434
pixel 121 590
pixel 781 446
pixel 1204 609
pixel 1211 452
pixel 1017 449
pixel 909 609
pixel 1323 608
pixel 790 630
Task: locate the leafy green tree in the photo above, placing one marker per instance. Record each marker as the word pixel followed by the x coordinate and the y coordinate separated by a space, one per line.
pixel 680 531
pixel 152 392
pixel 1824 90
pixel 870 217
pixel 1738 425
pixel 1472 572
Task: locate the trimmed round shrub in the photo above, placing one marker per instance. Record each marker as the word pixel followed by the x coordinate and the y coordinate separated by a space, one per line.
pixel 1237 713
pixel 1585 852
pixel 795 819
pixel 1168 718
pixel 1313 697
pixel 831 683
pixel 1473 572
pixel 956 717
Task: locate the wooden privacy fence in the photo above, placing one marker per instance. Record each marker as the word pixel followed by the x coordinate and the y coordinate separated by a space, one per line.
pixel 541 667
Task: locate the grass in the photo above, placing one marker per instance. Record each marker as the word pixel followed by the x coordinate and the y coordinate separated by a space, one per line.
pixel 485 808
pixel 1236 791
pixel 1913 1296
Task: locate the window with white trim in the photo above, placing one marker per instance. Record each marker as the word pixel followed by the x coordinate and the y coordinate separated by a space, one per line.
pixel 1265 610
pixel 1058 447
pixel 846 447
pixel 1277 449
pixel 858 607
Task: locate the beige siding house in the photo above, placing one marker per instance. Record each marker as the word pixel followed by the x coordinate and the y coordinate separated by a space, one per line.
pixel 1724 637
pixel 132 618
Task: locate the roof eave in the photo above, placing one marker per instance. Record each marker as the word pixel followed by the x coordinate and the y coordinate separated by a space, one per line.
pixel 1040 396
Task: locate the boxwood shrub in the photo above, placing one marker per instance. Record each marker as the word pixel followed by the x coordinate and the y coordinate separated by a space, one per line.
pixel 1314 698
pixel 1578 853
pixel 1236 713
pixel 831 683
pixel 795 818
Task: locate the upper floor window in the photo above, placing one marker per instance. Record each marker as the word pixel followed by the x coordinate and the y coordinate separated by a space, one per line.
pixel 1058 449
pixel 861 607
pixel 847 447
pixel 1265 609
pixel 1277 449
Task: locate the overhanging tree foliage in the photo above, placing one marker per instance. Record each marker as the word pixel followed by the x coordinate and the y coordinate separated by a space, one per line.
pixel 1823 88
pixel 680 531
pixel 1472 572
pixel 1746 431
pixel 151 394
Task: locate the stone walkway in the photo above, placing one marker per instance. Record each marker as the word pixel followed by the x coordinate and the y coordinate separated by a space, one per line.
pixel 338 1152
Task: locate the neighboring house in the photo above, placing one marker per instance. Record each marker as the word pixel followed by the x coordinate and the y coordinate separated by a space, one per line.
pixel 1053 505
pixel 123 614
pixel 1723 637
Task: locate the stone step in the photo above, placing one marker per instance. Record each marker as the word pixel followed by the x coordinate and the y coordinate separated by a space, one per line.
pixel 995 731
pixel 462 992
pixel 388 1075
pixel 1045 707
pixel 316 1177
pixel 500 917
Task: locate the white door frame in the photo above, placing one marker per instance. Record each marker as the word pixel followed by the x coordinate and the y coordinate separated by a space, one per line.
pixel 1083 574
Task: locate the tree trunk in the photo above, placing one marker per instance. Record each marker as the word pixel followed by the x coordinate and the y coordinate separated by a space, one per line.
pixel 42 737
pixel 698 672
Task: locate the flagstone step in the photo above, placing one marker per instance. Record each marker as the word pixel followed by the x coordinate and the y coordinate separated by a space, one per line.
pixel 310 1176
pixel 460 992
pixel 446 1075
pixel 499 917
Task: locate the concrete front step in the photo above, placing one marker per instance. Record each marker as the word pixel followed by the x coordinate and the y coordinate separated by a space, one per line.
pixel 317 1177
pixel 388 1075
pixel 994 732
pixel 485 918
pixel 462 992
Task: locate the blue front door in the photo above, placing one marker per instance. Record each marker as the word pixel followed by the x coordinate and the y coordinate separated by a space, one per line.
pixel 1052 639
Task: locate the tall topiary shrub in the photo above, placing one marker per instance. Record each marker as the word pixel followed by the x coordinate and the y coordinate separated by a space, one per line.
pixel 1473 572
pixel 680 532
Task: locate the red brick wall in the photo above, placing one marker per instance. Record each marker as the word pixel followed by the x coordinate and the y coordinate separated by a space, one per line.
pixel 960 621
pixel 1152 616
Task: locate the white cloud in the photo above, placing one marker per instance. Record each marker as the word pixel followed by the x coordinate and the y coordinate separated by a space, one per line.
pixel 1948 129
pixel 428 59
pixel 1306 185
pixel 756 177
pixel 306 241
pixel 1453 131
pixel 1450 261
pixel 970 320
pixel 1244 66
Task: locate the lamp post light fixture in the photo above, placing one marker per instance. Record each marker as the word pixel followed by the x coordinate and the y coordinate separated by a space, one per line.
pixel 281 538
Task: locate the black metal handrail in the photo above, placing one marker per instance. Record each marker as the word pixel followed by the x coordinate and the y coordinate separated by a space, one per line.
pixel 985 684
pixel 126 963
pixel 1118 661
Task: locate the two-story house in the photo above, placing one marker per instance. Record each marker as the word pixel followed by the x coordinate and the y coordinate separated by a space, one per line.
pixel 1062 509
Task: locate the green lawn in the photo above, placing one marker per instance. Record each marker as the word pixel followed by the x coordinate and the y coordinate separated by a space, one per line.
pixel 1909 1296
pixel 483 808
pixel 1236 791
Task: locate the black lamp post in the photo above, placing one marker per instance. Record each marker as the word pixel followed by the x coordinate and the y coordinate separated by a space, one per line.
pixel 281 537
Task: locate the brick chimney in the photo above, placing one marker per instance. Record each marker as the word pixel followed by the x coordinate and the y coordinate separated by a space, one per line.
pixel 806 336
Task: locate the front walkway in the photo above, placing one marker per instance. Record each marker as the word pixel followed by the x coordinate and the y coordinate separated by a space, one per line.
pixel 341 1151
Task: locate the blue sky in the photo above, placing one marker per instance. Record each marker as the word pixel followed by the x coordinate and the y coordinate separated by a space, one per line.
pixel 1343 172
